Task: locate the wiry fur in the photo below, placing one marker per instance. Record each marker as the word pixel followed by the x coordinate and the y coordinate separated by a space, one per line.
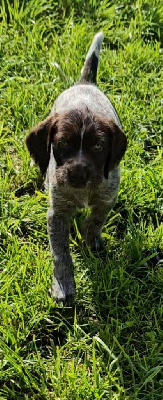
pixel 79 146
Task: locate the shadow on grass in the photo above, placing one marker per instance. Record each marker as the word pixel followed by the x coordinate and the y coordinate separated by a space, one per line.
pixel 136 265
pixel 31 187
pixel 51 331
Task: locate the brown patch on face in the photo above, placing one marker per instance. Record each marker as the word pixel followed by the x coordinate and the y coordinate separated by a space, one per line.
pixel 75 165
pixel 86 146
pixel 112 140
pixel 66 141
pixel 72 169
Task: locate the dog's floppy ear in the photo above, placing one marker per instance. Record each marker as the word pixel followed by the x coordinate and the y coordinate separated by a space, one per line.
pixel 117 147
pixel 39 139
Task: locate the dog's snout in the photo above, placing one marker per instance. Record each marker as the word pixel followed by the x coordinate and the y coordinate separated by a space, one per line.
pixel 78 175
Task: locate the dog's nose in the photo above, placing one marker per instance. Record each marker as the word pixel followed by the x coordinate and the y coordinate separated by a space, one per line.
pixel 78 175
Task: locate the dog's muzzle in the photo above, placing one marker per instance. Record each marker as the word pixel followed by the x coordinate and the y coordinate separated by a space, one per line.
pixel 78 174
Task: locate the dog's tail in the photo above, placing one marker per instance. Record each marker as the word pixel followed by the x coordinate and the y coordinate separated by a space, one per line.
pixel 89 71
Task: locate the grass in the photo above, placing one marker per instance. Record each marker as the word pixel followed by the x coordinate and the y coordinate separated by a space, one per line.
pixel 110 346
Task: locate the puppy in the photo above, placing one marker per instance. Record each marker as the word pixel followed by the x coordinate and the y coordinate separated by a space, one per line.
pixel 79 147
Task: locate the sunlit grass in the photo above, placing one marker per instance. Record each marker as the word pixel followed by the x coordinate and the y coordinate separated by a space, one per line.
pixel 110 345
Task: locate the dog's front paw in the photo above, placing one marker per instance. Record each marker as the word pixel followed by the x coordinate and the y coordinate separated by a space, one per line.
pixel 91 233
pixel 62 291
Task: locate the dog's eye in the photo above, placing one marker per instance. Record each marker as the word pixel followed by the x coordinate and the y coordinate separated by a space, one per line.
pixel 98 146
pixel 63 144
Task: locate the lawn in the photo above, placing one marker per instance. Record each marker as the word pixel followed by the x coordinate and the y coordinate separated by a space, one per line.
pixel 110 345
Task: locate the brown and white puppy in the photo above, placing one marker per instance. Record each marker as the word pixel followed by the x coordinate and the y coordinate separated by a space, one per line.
pixel 78 147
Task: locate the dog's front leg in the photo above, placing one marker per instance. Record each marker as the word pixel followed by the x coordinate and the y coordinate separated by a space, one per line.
pixel 63 286
pixel 92 227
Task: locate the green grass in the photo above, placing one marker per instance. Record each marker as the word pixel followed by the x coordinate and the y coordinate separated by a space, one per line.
pixel 111 345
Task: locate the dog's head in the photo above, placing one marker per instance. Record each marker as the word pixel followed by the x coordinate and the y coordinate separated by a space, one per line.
pixel 85 146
